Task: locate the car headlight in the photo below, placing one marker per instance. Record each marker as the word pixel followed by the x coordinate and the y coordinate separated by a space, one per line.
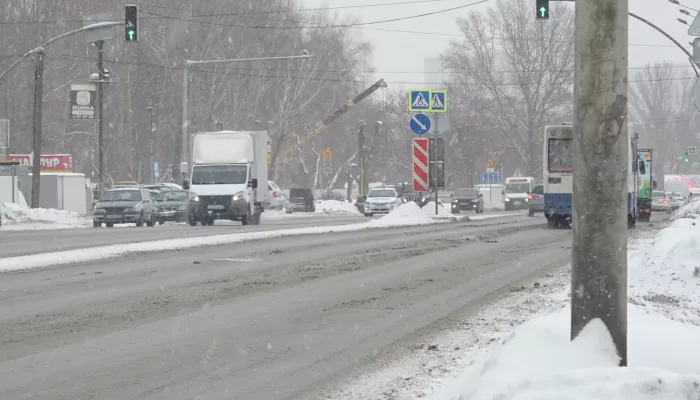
pixel 182 208
pixel 195 198
pixel 507 199
pixel 238 196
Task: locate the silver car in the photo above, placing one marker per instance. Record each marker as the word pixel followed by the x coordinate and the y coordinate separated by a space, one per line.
pixel 660 201
pixel 536 200
pixel 124 205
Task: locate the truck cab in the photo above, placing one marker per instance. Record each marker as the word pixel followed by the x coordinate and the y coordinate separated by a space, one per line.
pixel 516 192
pixel 229 177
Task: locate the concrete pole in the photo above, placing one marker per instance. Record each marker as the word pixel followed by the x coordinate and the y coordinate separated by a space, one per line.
pixel 600 167
pixel 151 158
pixel 100 115
pixel 361 155
pixel 36 131
pixel 184 151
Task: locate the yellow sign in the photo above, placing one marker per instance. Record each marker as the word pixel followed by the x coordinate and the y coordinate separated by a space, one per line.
pixel 490 164
pixel 269 159
pixel 328 153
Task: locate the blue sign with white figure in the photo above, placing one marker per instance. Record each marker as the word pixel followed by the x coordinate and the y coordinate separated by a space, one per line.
pixel 418 100
pixel 420 124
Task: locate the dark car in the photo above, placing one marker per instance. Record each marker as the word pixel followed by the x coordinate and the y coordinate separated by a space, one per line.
pixel 171 205
pixel 124 205
pixel 535 200
pixel 301 199
pixel 467 199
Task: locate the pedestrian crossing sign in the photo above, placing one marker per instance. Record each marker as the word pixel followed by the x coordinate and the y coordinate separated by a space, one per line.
pixel 438 101
pixel 423 100
pixel 418 100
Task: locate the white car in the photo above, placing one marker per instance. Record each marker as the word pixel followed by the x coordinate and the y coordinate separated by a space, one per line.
pixel 676 200
pixel 660 201
pixel 381 201
pixel 277 200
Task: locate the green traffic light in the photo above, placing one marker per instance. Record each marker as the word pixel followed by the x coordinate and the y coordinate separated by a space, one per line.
pixel 685 159
pixel 543 12
pixel 131 34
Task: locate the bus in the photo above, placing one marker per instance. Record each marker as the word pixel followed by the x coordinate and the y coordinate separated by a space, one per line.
pixel 558 176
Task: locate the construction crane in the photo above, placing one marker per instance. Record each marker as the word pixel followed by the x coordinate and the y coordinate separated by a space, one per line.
pixel 318 128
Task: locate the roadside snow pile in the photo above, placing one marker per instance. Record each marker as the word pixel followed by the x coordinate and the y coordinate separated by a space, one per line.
pixel 539 362
pixel 336 207
pixel 429 210
pixel 665 273
pixel 406 214
pixel 690 210
pixel 15 216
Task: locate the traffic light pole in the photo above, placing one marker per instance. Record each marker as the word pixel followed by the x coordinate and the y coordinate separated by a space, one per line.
pixel 36 127
pixel 600 170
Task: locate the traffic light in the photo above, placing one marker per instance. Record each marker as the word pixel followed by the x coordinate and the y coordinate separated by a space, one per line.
pixel 685 157
pixel 542 10
pixel 130 23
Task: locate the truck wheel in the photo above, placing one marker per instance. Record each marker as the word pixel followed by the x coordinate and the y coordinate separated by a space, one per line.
pixel 531 213
pixel 96 224
pixel 247 219
pixel 151 222
pixel 109 225
pixel 210 222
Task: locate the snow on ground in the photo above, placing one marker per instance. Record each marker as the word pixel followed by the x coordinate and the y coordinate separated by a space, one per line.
pixel 690 210
pixel 485 357
pixel 443 211
pixel 336 207
pixel 494 206
pixel 406 215
pixel 16 217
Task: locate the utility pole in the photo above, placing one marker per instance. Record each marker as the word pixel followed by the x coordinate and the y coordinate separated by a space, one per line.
pixel 36 131
pixel 151 160
pixel 100 114
pixel 361 154
pixel 600 167
pixel 435 160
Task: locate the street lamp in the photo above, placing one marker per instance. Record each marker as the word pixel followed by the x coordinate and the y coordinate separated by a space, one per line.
pixel 184 152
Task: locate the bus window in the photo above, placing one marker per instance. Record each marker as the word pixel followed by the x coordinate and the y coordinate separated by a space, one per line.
pixel 559 151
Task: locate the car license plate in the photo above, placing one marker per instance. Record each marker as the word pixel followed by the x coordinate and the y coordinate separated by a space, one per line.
pixel 114 217
pixel 516 202
pixel 167 213
pixel 216 207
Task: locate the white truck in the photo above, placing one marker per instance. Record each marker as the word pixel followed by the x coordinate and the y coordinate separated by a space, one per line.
pixel 517 191
pixel 229 177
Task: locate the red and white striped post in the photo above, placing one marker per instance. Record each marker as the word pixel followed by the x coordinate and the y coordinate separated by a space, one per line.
pixel 420 164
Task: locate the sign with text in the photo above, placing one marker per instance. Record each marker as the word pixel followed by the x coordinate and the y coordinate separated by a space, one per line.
pixel 49 162
pixel 83 100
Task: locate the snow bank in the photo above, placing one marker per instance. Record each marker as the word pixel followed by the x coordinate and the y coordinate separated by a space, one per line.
pixel 405 215
pixel 15 216
pixel 538 362
pixel 665 272
pixel 443 212
pixel 690 210
pixel 336 207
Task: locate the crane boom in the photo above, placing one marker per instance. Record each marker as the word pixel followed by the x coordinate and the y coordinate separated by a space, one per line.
pixel 319 127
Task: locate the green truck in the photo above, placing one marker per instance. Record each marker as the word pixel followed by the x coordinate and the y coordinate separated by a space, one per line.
pixel 646 184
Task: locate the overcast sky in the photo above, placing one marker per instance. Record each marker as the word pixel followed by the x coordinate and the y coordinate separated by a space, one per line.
pixel 398 57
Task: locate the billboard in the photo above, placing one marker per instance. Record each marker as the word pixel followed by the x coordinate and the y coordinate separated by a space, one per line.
pixel 49 162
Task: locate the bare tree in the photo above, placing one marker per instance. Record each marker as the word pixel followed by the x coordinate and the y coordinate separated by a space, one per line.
pixel 523 71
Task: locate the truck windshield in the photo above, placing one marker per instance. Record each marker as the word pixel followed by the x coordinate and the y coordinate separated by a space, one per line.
pixel 523 187
pixel 219 174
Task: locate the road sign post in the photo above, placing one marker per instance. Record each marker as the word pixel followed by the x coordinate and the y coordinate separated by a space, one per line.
pixel 692 150
pixel 5 138
pixel 420 124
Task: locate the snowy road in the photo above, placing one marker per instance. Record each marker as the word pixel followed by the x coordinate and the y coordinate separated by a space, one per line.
pixel 260 320
pixel 22 242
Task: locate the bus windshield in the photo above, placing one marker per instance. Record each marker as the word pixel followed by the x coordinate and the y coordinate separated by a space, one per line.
pixel 559 154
